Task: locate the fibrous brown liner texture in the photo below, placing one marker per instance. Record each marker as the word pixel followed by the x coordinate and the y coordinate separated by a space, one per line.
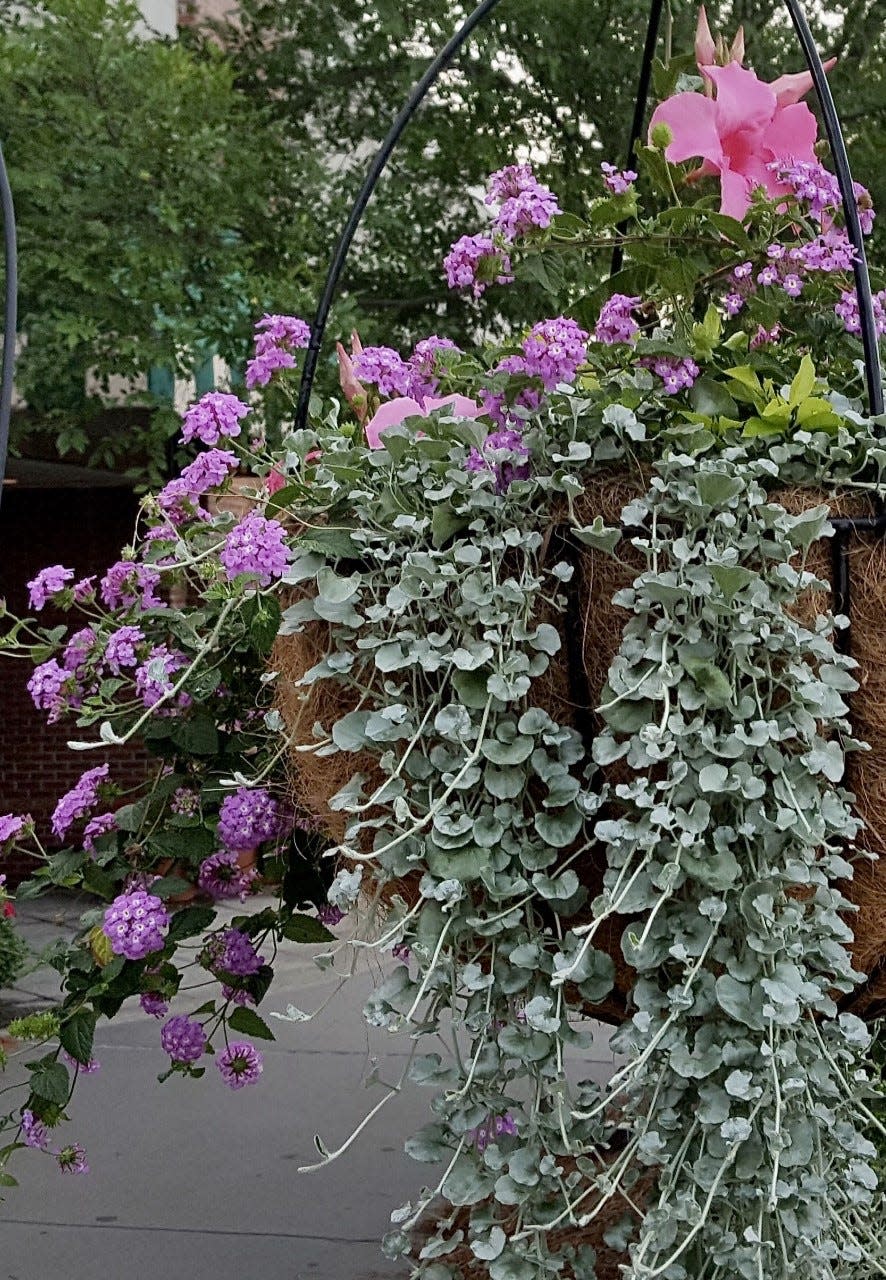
pixel 608 1261
pixel 315 778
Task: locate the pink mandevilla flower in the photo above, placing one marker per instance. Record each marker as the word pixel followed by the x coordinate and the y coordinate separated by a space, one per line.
pixel 738 135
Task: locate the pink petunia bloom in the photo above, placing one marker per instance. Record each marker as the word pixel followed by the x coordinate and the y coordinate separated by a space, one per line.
pixel 747 127
pixel 393 412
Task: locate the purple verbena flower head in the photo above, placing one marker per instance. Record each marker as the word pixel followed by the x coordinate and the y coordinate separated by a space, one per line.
pixel 474 262
pixel 53 688
pixel 98 826
pixel 33 1131
pixel 72 1159
pixel 763 337
pixel 240 1064
pixel 84 590
pixel 183 1039
pixel 232 952
pixel 532 208
pixel 280 331
pixel 384 368
pixel 677 373
pixel 12 825
pixel 505 455
pixel 77 651
pixel 617 180
pixel 120 650
pixel 554 350
pixel 769 275
pixel 185 802
pixel 733 303
pixel 207 471
pixel 494 1128
pixel 814 185
pixel 261 369
pixel 77 802
pixel 154 678
pixel 48 582
pixel 424 363
pixel 214 415
pixel 135 924
pixel 222 876
pixel 248 818
pixel 615 322
pixel 792 284
pixel 154 1004
pixel 510 181
pixel 127 584
pixel 256 546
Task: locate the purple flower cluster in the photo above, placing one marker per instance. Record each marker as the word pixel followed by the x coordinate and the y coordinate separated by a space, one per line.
pixel 77 802
pixel 424 365
pixel 615 322
pixel 135 924
pixel 764 337
pixel 183 1039
pixel 814 185
pixel 240 1064
pixel 275 336
pixel 248 818
pixel 474 262
pixel 385 368
pixel 847 310
pixel 90 1068
pixel 525 202
pixel 184 802
pixel 154 1004
pixel 330 916
pixel 207 471
pixel 77 651
pixel 678 373
pixel 256 546
pixel 120 650
pixel 505 455
pixel 215 415
pixel 154 678
pixel 100 825
pixel 222 876
pixel 232 951
pixel 12 825
pixel 84 590
pixel 34 1132
pixel 554 350
pixel 617 180
pixel 494 1128
pixel 53 688
pixel 126 584
pixel 48 582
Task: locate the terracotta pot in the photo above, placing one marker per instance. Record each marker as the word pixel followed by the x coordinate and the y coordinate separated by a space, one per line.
pixel 238 496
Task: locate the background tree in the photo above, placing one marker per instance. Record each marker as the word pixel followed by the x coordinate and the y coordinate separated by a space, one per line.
pixel 554 81
pixel 157 211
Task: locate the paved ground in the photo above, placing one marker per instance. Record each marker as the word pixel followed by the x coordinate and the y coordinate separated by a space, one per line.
pixel 190 1181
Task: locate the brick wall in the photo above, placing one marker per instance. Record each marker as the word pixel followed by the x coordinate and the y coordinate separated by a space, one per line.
pixel 83 529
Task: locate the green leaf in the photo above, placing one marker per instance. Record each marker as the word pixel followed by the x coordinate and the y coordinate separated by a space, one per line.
pixel 731 579
pixel 803 384
pixel 713 777
pixel 715 488
pixel 711 680
pixel 445 523
pixel 76 1035
pixel 189 922
pixel 248 1023
pixel 302 928
pixel 712 399
pixel 50 1080
pixel 170 886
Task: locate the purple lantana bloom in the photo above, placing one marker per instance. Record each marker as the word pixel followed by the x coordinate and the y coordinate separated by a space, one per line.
pixel 72 1159
pixel 77 802
pixel 120 650
pixel 126 584
pixel 154 1004
pixel 475 262
pixel 240 1064
pixel 154 679
pixel 183 1039
pixel 248 818
pixel 222 876
pixel 135 924
pixel 215 415
pixel 261 369
pixel 505 455
pixel 280 331
pixel 34 1132
pixel 48 582
pixel 256 546
pixel 615 322
pixel 12 825
pixel 385 368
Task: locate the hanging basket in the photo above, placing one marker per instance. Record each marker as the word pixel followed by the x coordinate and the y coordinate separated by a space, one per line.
pixel 570 692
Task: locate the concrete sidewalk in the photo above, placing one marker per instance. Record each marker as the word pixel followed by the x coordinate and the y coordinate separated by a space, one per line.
pixel 192 1181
